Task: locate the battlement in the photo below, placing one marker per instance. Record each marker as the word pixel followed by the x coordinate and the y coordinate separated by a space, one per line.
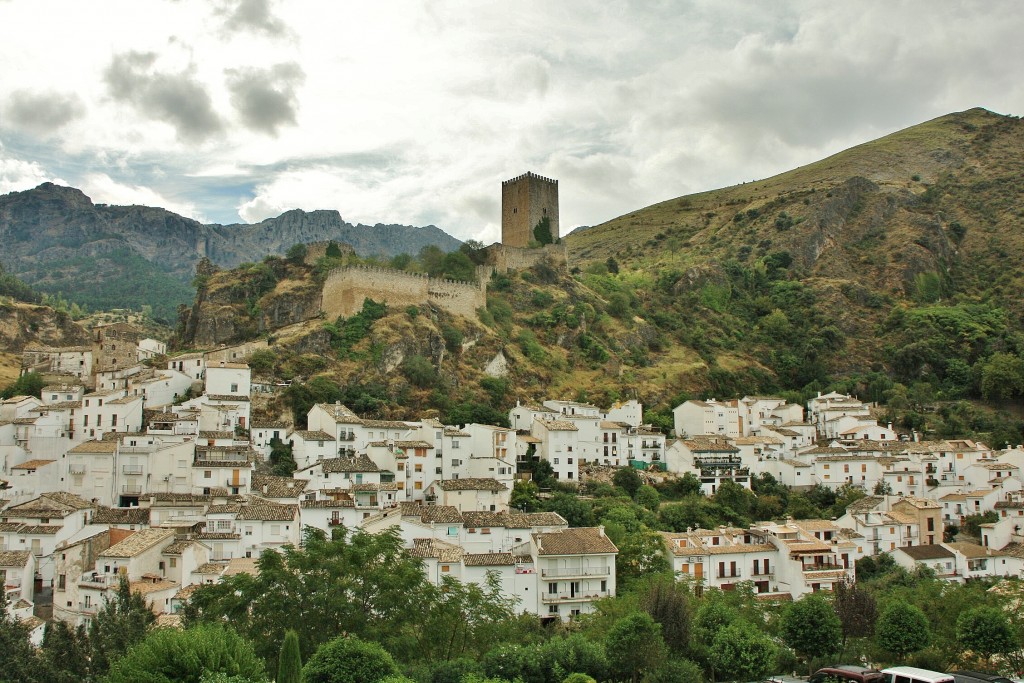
pixel 531 175
pixel 346 288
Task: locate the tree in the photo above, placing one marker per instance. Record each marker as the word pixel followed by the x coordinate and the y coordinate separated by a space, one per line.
pixel 613 265
pixel 1002 376
pixel 289 666
pixel 296 253
pixel 120 624
pixel 542 231
pixel 856 609
pixel 333 251
pixel 347 659
pixel 20 663
pixel 282 462
pixel 985 631
pixel 634 646
pixel 668 603
pixel 29 384
pixel 64 653
pixel 811 628
pixel 901 629
pixel 740 652
pixel 628 479
pixel 185 656
pixel 648 497
pixel 641 553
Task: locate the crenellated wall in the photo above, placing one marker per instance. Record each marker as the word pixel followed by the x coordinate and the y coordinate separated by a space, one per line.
pixel 346 288
pixel 505 258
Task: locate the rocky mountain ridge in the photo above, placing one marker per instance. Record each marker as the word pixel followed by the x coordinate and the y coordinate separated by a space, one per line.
pixel 57 239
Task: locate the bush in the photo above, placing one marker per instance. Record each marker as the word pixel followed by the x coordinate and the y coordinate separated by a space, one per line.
pixel 168 655
pixel 347 659
pixel 419 371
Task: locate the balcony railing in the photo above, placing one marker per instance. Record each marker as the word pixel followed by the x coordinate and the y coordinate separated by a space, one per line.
pixel 76 469
pixel 335 522
pixel 94 580
pixel 133 489
pixel 575 571
pixel 131 469
pixel 88 609
pixel 582 596
pixel 235 484
pixel 346 437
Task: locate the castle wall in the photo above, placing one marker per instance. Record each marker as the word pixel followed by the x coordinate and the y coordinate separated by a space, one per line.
pixel 505 258
pixel 525 200
pixel 345 289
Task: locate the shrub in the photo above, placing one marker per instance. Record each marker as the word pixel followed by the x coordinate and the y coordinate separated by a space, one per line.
pixel 347 659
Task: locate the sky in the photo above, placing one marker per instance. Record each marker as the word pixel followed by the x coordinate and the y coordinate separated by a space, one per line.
pixel 413 112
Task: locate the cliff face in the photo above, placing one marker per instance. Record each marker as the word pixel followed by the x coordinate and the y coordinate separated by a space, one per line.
pixel 102 256
pixel 24 325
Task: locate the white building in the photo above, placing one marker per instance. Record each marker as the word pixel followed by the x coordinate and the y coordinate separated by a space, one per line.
pixel 711 417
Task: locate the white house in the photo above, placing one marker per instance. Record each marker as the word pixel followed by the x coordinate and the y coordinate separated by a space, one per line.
pixel 711 417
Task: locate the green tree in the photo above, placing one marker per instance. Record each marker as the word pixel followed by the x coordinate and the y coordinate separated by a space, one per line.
pixel 901 629
pixel 282 462
pixel 184 656
pixel 810 626
pixel 648 497
pixel 289 664
pixel 29 384
pixel 120 624
pixel 634 646
pixel 420 372
pixel 333 251
pixel 985 631
pixel 668 603
pixel 1002 376
pixel 20 662
pixel 741 652
pixel 542 231
pixel 856 608
pixel 64 653
pixel 347 659
pixel 628 479
pixel 296 253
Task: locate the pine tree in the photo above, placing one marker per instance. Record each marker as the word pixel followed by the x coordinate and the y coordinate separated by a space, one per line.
pixel 289 667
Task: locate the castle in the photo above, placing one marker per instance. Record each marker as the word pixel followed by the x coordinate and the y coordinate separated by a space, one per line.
pixel 527 200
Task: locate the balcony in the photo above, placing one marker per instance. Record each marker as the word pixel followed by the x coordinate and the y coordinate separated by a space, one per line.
pixel 97 581
pixel 136 449
pixel 88 609
pixel 335 522
pixel 346 437
pixel 131 489
pixel 131 469
pixel 236 484
pixel 567 572
pixel 579 597
pixel 76 469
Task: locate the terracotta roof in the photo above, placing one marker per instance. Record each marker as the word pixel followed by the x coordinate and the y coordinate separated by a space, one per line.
pixel 216 435
pixel 53 504
pixel 14 558
pixel 424 548
pixel 339 413
pixel 268 424
pixel 229 398
pixel 709 444
pixel 969 550
pixel 133 515
pixel 178 547
pixel 1013 550
pixel 147 587
pixel 401 444
pixel 209 568
pixel 95 447
pixel 278 487
pixel 488 560
pixel 138 542
pixel 241 565
pixel 472 484
pixel 318 435
pixel 927 552
pixel 266 511
pixel 32 464
pixel 371 487
pixel 920 503
pixel 359 463
pixel 441 514
pixel 386 424
pixel 865 504
pixel 559 425
pixel 575 541
pixel 454 431
pixel 327 504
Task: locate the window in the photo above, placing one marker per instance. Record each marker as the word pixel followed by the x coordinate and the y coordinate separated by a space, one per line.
pixel 455 444
pixel 62 582
pixel 553 587
pixel 234 388
pixel 419 467
pixel 207 474
pixel 445 568
pixel 113 420
pixel 174 562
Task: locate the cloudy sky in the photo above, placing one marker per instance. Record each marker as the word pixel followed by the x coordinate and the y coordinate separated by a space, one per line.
pixel 414 111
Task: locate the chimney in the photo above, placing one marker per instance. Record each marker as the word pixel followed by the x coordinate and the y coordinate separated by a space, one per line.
pixel 264 489
pixel 600 531
pixel 540 543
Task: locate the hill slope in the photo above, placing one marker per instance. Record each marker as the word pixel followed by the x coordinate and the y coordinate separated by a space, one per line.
pixel 57 240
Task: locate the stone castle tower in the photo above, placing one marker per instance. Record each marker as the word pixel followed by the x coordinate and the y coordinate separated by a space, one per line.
pixel 525 201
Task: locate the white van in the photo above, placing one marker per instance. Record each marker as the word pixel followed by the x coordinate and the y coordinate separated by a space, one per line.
pixel 909 674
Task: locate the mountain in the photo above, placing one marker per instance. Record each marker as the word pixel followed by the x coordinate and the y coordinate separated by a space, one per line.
pixel 892 270
pixel 57 240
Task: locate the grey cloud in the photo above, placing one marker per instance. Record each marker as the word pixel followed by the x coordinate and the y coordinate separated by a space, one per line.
pixel 176 98
pixel 42 112
pixel 265 98
pixel 252 15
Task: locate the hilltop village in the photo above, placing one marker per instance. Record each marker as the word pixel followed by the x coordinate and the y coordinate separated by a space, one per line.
pixel 159 475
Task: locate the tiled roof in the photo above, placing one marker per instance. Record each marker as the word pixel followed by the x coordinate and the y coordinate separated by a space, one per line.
pixel 488 560
pixel 545 519
pixel 14 558
pixel 559 425
pixel 268 424
pixel 53 504
pixel 147 587
pixel 278 487
pixel 317 435
pixel 927 552
pixel 472 484
pixel 95 447
pixel 920 503
pixel 263 510
pixel 574 541
pixel 133 515
pixel 370 487
pixel 209 568
pixel 386 424
pixel 241 565
pixel 216 435
pixel 178 547
pixel 327 504
pixel 441 514
pixel 401 444
pixel 969 550
pixel 241 398
pixel 32 464
pixel 709 444
pixel 339 413
pixel 138 542
pixel 359 463
pixel 454 431
pixel 433 548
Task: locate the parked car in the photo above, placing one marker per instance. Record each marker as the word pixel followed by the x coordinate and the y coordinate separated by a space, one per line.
pixel 910 674
pixel 978 677
pixel 847 672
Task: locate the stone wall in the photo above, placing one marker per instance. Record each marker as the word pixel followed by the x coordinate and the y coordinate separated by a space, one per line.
pixel 346 288
pixel 504 258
